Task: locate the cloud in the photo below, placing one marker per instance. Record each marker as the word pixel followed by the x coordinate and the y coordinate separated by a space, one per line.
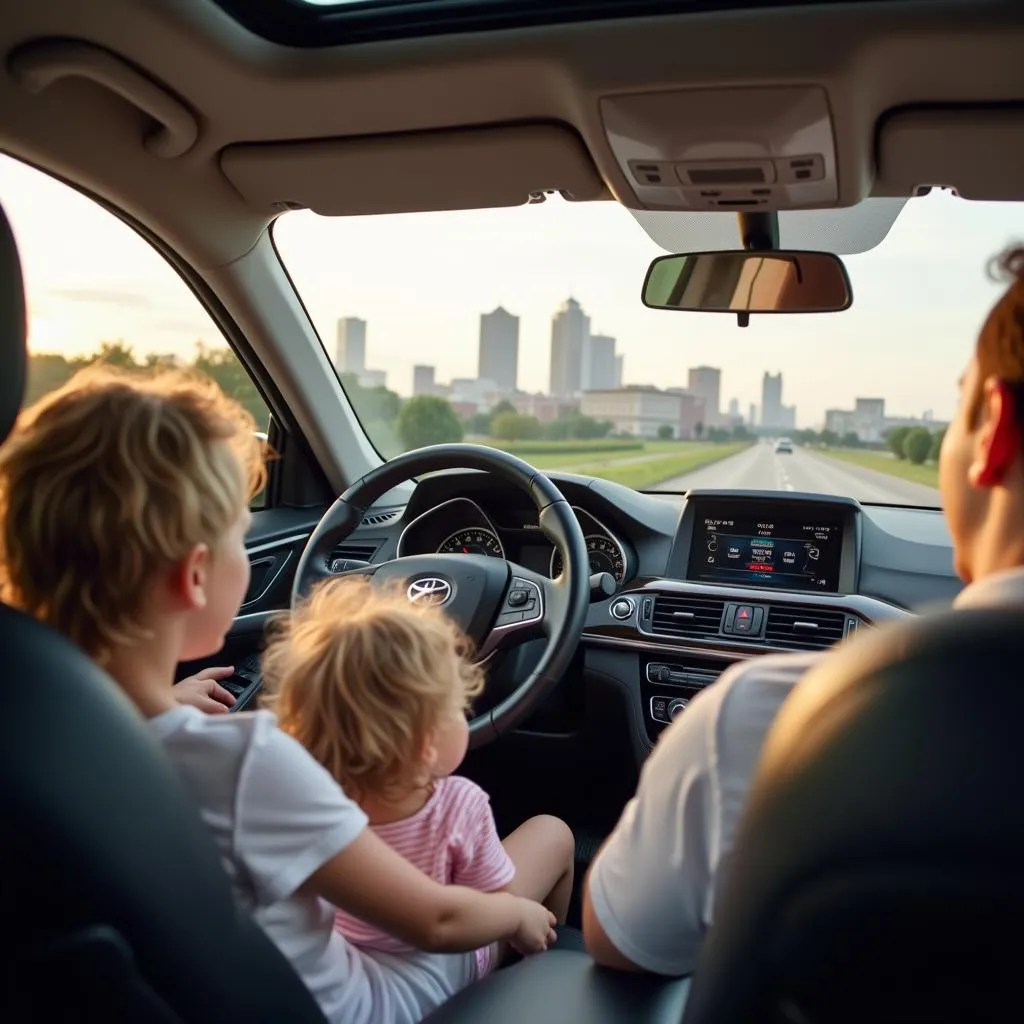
pixel 105 296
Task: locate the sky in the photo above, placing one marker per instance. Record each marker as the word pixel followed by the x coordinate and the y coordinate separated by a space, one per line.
pixel 421 282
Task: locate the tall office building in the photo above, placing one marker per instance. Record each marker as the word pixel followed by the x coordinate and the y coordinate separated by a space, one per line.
pixel 351 347
pixel 753 415
pixel 706 381
pixel 499 349
pixel 599 363
pixel 771 400
pixel 619 360
pixel 423 382
pixel 570 328
pixel 734 408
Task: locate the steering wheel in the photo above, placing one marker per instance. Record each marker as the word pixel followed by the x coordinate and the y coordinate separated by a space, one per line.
pixel 498 603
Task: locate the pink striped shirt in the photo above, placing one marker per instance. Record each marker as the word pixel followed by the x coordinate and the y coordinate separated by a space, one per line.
pixel 453 839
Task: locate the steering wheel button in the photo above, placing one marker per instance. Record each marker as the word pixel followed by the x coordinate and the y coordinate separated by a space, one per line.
pixel 516 598
pixel 510 618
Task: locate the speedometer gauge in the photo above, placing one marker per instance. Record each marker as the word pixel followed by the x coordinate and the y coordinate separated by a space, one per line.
pixel 605 556
pixel 476 541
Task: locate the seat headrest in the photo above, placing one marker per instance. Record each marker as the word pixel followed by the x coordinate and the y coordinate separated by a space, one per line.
pixel 877 870
pixel 13 330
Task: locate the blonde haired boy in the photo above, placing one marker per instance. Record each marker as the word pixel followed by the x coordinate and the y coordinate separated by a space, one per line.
pixel 123 515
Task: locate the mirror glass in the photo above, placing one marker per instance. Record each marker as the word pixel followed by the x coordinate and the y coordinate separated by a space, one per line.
pixel 742 281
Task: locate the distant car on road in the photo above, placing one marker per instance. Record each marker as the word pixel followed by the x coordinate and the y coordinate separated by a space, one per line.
pixel 784 444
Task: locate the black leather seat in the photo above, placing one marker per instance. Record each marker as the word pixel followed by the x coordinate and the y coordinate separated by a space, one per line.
pixel 878 872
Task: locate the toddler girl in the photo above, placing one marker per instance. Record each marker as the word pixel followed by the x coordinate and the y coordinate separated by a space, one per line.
pixel 377 688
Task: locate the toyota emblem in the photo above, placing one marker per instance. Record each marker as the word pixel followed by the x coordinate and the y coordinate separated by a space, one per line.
pixel 430 590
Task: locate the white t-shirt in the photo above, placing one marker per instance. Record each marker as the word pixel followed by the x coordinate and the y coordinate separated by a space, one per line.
pixel 653 885
pixel 277 816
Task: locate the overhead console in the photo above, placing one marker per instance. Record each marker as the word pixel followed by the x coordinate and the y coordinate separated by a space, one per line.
pixel 725 149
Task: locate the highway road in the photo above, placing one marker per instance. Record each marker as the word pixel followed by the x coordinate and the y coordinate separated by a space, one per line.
pixel 760 468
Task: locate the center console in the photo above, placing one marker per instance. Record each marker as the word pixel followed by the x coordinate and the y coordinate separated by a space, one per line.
pixel 748 573
pixel 667 686
pixel 766 542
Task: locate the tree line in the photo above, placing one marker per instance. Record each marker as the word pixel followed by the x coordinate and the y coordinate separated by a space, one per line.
pixel 915 444
pixel 47 371
pixel 394 424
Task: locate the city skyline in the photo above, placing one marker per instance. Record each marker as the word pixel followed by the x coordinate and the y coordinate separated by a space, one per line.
pixel 918 301
pixel 868 416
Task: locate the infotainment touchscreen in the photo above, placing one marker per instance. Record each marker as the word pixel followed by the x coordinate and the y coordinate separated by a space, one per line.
pixel 747 546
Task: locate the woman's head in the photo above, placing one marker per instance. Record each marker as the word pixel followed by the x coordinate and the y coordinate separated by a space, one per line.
pixel 374 686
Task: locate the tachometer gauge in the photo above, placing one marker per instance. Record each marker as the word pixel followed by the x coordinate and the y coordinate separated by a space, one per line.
pixel 605 556
pixel 476 541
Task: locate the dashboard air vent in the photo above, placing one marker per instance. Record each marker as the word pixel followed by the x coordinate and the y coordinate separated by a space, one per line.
pixel 804 628
pixel 378 518
pixel 355 552
pixel 691 617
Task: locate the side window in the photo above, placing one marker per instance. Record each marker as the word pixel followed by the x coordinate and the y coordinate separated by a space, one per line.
pixel 97 290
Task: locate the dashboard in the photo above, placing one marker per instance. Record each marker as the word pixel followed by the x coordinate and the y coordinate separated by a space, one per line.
pixel 703 580
pixel 461 525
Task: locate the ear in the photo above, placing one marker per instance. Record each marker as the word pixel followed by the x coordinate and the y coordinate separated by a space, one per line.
pixel 998 437
pixel 430 755
pixel 192 578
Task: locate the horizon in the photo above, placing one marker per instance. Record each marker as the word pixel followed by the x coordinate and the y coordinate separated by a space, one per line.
pixel 421 282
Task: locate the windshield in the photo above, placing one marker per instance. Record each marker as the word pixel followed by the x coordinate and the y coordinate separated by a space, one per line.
pixel 523 328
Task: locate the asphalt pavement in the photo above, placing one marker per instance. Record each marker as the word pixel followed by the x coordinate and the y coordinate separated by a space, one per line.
pixel 760 468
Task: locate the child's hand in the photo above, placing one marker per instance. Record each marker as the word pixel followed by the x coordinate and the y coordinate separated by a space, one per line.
pixel 204 692
pixel 536 928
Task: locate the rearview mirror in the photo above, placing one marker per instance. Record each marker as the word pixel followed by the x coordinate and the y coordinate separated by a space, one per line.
pixel 743 282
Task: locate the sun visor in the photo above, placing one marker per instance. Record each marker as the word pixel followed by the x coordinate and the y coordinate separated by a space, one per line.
pixel 977 151
pixel 475 168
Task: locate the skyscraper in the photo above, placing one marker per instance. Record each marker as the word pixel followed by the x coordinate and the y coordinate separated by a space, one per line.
pixel 706 381
pixel 351 348
pixel 619 360
pixel 599 363
pixel 570 328
pixel 771 400
pixel 499 349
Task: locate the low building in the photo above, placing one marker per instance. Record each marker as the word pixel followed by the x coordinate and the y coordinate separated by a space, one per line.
pixel 480 392
pixel 423 382
pixel 867 419
pixel 370 379
pixel 545 408
pixel 644 410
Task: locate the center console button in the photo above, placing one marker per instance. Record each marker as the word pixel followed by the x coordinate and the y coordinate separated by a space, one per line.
pixel 676 707
pixel 744 620
pixel 659 709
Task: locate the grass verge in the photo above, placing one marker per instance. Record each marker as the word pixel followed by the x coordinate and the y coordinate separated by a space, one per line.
pixel 649 472
pixel 927 474
pixel 570 456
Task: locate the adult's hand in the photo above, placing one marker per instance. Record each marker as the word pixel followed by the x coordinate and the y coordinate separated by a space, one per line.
pixel 204 692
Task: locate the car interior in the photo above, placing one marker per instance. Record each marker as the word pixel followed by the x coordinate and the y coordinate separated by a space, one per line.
pixel 602 609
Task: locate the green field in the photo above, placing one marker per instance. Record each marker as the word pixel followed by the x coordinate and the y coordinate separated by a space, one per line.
pixel 636 464
pixel 926 474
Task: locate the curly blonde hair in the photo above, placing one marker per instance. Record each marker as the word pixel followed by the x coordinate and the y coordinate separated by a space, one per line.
pixel 108 480
pixel 360 676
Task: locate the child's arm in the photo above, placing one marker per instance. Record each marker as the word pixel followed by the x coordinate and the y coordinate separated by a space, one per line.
pixel 371 881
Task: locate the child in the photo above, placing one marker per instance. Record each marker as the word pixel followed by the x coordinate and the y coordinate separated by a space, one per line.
pixel 123 515
pixel 376 688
